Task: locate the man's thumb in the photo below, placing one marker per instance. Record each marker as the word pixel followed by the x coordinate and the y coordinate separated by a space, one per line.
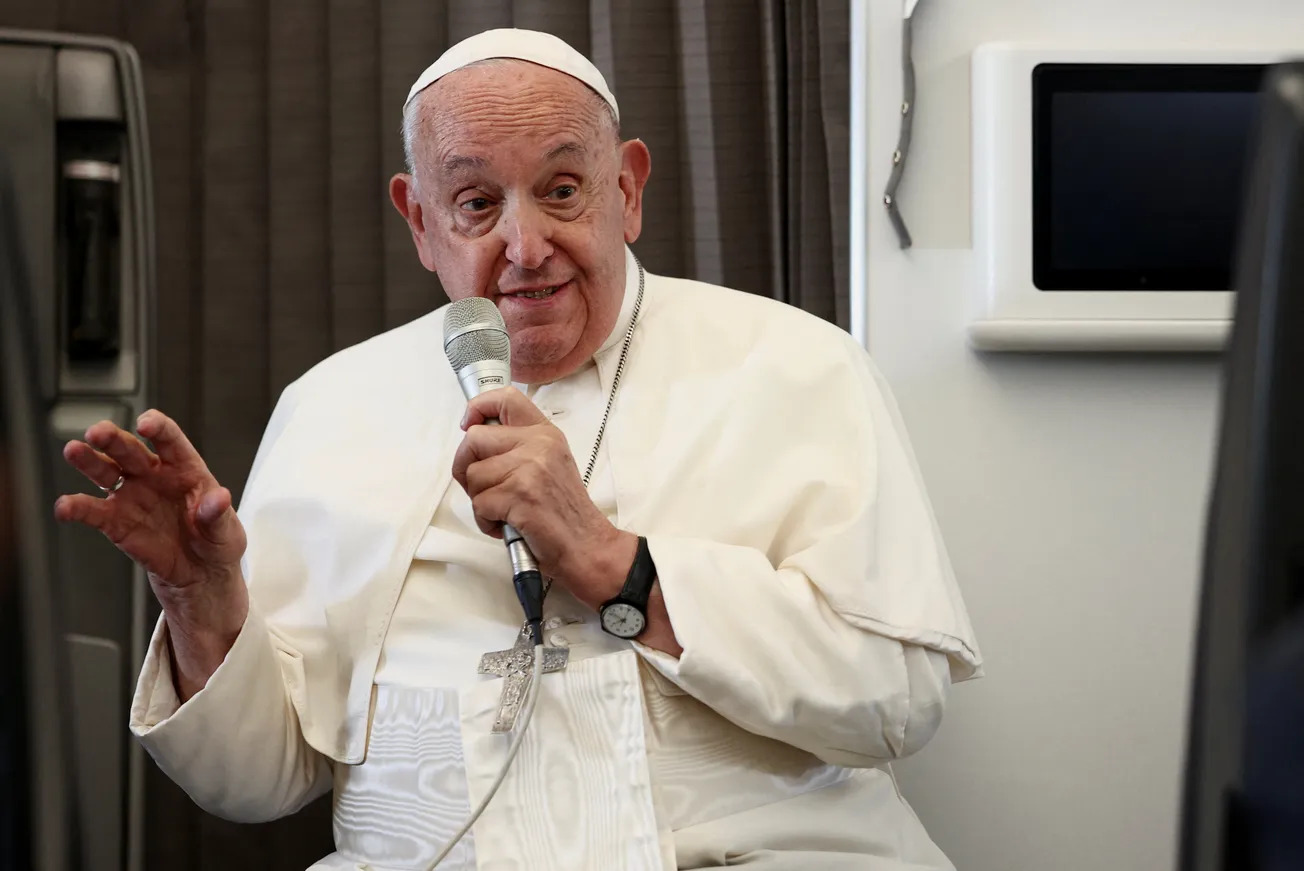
pixel 215 517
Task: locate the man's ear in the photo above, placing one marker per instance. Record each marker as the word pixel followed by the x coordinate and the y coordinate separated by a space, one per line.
pixel 403 194
pixel 635 167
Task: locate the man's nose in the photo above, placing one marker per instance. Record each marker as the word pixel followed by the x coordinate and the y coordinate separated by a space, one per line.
pixel 528 235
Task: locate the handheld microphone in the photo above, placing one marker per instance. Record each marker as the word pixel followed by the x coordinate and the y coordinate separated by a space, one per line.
pixel 480 352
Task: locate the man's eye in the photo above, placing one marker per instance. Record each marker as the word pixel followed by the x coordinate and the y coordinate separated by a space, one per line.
pixel 478 204
pixel 564 192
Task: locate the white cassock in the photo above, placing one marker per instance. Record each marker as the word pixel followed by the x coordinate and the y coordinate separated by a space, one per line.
pixel 756 449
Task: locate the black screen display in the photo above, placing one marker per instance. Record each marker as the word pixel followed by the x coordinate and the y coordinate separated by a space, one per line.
pixel 1138 174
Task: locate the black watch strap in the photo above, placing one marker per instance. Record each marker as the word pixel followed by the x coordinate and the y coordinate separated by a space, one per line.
pixel 642 575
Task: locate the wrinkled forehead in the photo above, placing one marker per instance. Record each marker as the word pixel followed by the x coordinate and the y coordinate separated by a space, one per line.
pixel 507 110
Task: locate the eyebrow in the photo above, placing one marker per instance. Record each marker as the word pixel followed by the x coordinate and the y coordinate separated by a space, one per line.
pixel 459 162
pixel 566 149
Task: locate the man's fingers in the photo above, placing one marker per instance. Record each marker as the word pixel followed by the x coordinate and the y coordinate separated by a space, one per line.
pixel 507 404
pixel 489 473
pixel 482 442
pixel 83 508
pixel 171 444
pixel 102 471
pixel 490 513
pixel 129 452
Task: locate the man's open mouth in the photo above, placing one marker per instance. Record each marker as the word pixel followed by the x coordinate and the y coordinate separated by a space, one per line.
pixel 541 293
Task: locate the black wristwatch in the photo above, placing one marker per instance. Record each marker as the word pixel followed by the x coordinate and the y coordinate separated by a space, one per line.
pixel 626 615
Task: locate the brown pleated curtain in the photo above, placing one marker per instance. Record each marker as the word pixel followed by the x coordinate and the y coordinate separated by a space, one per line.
pixel 275 128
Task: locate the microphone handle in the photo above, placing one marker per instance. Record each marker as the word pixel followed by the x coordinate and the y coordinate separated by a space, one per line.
pixel 526 577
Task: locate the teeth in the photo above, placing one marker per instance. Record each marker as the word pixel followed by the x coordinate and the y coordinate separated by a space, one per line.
pixel 539 294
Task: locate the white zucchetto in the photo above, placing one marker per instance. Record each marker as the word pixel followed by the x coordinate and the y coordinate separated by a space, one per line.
pixel 527 45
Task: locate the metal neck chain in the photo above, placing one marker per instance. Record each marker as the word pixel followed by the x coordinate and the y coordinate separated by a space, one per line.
pixel 611 396
pixel 615 381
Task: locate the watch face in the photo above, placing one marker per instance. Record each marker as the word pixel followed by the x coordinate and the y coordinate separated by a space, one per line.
pixel 622 620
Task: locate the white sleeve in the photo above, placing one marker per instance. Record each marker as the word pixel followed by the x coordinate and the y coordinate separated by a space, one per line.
pixel 841 628
pixel 767 652
pixel 235 747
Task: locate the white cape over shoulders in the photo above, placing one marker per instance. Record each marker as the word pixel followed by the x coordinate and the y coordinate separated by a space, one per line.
pixel 795 541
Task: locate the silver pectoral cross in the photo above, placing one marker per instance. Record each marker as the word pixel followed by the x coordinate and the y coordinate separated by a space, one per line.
pixel 516 667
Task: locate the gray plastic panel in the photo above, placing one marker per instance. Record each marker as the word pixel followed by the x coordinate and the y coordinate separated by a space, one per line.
pixel 100 741
pixel 27 584
pixel 81 391
pixel 88 86
pixel 27 136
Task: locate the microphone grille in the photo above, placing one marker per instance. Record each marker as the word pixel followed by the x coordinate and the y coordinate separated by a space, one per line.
pixel 472 310
pixel 474 331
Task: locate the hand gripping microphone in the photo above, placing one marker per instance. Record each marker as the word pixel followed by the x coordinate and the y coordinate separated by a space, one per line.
pixel 480 352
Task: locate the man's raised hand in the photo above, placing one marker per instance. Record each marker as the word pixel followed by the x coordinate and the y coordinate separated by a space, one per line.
pixel 165 510
pixel 169 514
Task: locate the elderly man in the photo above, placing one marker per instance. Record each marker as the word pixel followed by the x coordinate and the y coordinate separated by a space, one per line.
pixel 727 470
